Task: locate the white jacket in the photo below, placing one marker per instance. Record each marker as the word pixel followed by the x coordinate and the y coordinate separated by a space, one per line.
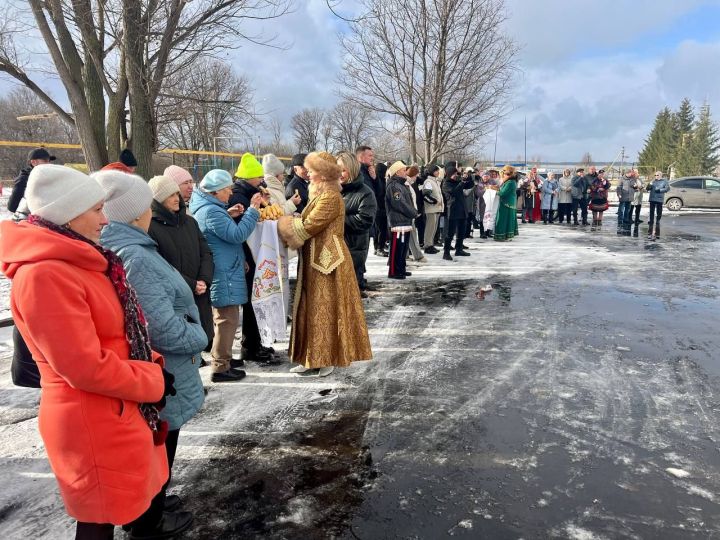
pixel 433 184
pixel 277 195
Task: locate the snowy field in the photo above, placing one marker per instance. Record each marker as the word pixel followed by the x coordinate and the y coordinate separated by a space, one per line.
pixel 562 385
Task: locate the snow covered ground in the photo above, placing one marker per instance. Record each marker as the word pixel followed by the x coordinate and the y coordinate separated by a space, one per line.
pixel 575 397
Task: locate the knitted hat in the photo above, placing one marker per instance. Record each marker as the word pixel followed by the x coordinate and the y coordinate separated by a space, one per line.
pixel 249 167
pixel 128 195
pixel 59 194
pixel 128 158
pixel 272 165
pixel 216 180
pixel 162 187
pixel 395 167
pixel 177 174
pixel 298 160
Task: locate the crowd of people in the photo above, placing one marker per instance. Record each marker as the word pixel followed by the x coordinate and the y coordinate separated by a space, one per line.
pixel 119 285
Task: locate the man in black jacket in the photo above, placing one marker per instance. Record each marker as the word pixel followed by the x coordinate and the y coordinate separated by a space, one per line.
pixel 38 156
pixel 400 213
pixel 300 182
pixel 252 347
pixel 374 176
pixel 455 212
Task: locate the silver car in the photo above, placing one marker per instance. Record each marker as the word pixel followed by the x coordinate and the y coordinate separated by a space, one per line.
pixel 693 191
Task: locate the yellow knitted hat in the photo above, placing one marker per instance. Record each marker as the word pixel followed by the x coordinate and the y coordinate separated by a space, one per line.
pixel 249 167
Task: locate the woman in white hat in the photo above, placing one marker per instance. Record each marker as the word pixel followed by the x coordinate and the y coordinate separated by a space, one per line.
pixel 102 385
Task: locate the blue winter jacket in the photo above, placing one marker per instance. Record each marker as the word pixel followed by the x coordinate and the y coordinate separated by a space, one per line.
pixel 658 189
pixel 172 316
pixel 550 201
pixel 225 238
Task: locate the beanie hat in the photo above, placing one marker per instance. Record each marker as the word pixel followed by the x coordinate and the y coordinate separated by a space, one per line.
pixel 128 158
pixel 128 195
pixel 298 160
pixel 162 188
pixel 249 167
pixel 395 167
pixel 177 174
pixel 216 180
pixel 272 165
pixel 450 170
pixel 60 194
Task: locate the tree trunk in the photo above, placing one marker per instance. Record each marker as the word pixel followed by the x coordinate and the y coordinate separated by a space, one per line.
pixel 116 130
pixel 412 141
pixel 96 104
pixel 142 140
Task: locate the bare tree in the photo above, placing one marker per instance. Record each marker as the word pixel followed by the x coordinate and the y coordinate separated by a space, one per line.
pixel 587 159
pixel 448 79
pixel 306 126
pixel 120 49
pixel 208 102
pixel 352 125
pixel 22 102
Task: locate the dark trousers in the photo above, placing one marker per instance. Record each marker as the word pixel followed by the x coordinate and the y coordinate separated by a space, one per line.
pixel 655 210
pixel 399 245
pixel 638 207
pixel 564 210
pixel 171 448
pixel 582 205
pixel 469 225
pixel 380 234
pixel 548 216
pixel 527 212
pixel 456 228
pixel 94 531
pixel 250 331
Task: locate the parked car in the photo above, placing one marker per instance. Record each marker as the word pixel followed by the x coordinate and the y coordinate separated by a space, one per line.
pixel 694 191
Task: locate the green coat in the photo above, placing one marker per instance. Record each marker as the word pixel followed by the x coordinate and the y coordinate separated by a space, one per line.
pixel 506 227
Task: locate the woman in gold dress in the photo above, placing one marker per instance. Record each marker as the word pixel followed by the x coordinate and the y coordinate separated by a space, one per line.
pixel 329 328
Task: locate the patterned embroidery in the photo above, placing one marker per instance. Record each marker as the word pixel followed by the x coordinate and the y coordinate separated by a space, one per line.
pixel 327 262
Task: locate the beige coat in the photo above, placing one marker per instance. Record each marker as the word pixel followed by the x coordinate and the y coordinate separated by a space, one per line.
pixel 277 194
pixel 329 326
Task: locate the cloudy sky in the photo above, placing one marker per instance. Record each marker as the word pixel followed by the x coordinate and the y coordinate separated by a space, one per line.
pixel 594 73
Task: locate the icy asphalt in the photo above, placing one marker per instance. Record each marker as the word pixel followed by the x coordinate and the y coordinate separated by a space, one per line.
pixel 578 398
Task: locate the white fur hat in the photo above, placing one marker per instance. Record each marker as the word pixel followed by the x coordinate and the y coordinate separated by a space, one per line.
pixel 60 194
pixel 162 187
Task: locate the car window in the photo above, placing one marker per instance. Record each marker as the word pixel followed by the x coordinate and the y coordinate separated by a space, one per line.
pixel 693 183
pixel 712 184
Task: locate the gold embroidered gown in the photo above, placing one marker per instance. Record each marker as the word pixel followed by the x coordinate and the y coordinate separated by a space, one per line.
pixel 329 326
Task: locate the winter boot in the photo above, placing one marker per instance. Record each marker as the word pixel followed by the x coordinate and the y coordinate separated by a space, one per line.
pixel 447 256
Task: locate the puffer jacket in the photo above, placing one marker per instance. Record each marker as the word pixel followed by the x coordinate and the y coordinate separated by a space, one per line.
pixel 580 186
pixel 398 203
pixel 658 188
pixel 173 318
pixel 360 212
pixel 300 185
pixel 432 194
pixel 225 238
pixel 181 243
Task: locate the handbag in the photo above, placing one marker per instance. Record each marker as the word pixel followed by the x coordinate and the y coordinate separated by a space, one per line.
pixel 23 369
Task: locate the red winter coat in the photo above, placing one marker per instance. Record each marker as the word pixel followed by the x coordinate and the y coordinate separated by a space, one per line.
pixel 99 445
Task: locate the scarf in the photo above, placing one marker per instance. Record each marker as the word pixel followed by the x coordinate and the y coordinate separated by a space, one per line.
pixel 135 324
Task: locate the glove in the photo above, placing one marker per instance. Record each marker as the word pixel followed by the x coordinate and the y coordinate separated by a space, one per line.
pixel 169 390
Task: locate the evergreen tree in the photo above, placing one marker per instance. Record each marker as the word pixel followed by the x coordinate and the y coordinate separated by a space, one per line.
pixel 685 155
pixel 706 143
pixel 659 150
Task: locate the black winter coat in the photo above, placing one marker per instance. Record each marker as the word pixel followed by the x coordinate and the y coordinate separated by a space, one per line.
pixel 242 194
pixel 399 203
pixel 455 198
pixel 18 191
pixel 299 184
pixel 181 243
pixel 360 212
